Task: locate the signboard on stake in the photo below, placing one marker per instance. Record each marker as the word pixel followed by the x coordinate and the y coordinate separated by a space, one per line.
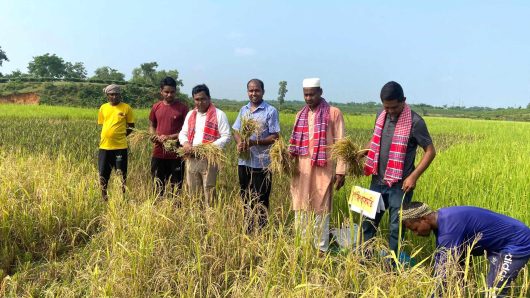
pixel 366 202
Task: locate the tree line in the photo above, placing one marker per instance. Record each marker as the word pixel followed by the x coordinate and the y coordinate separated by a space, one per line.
pixel 53 67
pixel 50 67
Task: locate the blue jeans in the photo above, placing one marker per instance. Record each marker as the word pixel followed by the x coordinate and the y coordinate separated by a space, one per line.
pixel 392 197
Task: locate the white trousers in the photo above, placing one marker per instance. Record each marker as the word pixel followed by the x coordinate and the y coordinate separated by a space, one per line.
pixel 320 222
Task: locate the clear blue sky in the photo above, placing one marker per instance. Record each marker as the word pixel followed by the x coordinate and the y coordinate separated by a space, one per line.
pixel 472 53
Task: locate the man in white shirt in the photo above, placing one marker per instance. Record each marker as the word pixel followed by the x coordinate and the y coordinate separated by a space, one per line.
pixel 204 124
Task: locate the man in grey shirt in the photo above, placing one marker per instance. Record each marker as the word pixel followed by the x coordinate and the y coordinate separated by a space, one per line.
pixel 397 134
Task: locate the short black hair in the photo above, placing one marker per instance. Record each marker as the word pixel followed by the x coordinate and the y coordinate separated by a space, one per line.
pixel 260 82
pixel 168 81
pixel 200 88
pixel 392 91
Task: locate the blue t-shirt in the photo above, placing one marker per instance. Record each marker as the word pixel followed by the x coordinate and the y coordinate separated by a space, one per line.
pixel 459 226
pixel 267 116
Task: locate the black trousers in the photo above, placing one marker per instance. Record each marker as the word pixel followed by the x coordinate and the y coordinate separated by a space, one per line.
pixel 255 191
pixel 111 159
pixel 166 171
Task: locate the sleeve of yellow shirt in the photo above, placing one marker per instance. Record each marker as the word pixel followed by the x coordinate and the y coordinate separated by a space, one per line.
pixel 130 115
pixel 101 120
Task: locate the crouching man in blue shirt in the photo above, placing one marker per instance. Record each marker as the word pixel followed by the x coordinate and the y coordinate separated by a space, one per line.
pixel 505 240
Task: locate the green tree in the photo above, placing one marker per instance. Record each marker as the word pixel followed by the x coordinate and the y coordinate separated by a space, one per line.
pixel 168 73
pixel 145 74
pixel 16 74
pixel 106 73
pixel 148 75
pixel 3 57
pixel 75 70
pixel 48 66
pixel 53 66
pixel 281 92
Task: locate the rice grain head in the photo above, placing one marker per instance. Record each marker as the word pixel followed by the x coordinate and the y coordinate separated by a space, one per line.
pixel 351 154
pixel 139 136
pixel 212 153
pixel 171 146
pixel 282 164
pixel 249 127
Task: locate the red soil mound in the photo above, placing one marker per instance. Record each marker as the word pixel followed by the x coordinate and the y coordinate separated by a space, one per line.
pixel 23 98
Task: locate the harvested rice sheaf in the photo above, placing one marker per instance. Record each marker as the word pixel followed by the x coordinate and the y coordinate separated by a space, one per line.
pixel 249 127
pixel 212 153
pixel 208 151
pixel 351 154
pixel 139 136
pixel 281 161
pixel 171 146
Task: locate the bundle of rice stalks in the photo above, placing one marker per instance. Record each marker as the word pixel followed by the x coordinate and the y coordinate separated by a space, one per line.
pixel 171 146
pixel 351 154
pixel 139 136
pixel 212 153
pixel 281 161
pixel 249 127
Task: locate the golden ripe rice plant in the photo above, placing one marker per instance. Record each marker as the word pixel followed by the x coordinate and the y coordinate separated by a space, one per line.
pixel 139 136
pixel 281 161
pixel 212 153
pixel 249 127
pixel 351 154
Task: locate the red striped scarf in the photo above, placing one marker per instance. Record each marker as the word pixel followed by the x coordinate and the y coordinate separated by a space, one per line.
pixel 398 147
pixel 299 141
pixel 211 129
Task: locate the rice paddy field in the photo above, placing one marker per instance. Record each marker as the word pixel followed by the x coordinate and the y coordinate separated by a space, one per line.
pixel 59 239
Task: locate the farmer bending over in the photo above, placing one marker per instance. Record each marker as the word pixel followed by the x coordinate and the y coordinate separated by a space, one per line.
pixel 505 240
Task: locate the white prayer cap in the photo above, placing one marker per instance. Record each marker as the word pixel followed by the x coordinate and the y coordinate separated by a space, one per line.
pixel 311 82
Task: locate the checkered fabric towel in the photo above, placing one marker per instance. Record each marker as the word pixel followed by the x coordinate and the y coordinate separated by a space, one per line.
pixel 211 129
pixel 398 148
pixel 299 141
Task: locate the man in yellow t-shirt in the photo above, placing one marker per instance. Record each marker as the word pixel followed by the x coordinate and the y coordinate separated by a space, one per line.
pixel 117 120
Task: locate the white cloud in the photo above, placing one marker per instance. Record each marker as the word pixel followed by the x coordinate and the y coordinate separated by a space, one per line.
pixel 244 52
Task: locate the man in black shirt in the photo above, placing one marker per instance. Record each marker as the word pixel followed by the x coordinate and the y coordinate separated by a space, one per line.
pixel 397 134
